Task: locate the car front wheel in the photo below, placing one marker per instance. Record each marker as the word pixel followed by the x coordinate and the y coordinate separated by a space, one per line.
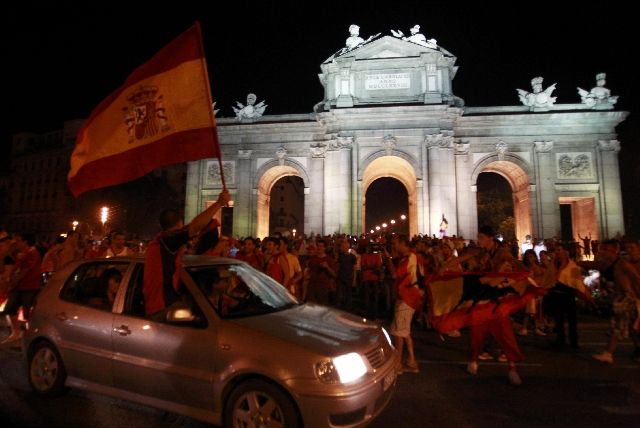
pixel 46 371
pixel 257 403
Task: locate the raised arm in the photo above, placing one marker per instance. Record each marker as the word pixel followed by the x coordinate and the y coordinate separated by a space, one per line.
pixel 203 219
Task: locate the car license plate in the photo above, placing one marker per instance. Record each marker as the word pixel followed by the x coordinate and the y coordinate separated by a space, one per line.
pixel 389 379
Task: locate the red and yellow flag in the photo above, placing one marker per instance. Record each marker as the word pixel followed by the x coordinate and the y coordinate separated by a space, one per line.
pixel 161 115
pixel 458 300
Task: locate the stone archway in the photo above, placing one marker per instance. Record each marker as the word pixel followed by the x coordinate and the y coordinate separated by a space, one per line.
pixel 400 169
pixel 518 179
pixel 263 188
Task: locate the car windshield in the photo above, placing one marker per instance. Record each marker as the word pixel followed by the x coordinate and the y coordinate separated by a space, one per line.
pixel 238 290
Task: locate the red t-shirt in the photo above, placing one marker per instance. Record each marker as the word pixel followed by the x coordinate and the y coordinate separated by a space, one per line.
pixel 370 266
pixel 254 259
pixel 29 261
pixel 161 263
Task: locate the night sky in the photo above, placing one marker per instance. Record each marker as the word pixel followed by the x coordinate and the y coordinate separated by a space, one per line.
pixel 59 61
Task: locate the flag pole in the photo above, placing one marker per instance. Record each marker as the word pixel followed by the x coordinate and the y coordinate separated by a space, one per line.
pixel 211 114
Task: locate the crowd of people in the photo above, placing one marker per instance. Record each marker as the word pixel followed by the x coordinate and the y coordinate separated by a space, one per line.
pixel 381 277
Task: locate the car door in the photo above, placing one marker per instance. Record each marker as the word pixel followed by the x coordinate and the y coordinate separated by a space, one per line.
pixel 168 362
pixel 83 321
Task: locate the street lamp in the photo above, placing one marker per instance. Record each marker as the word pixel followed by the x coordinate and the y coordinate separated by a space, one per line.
pixel 104 216
pixel 392 222
pixel 403 217
pixel 74 224
pixel 384 225
pixel 378 228
pixel 294 233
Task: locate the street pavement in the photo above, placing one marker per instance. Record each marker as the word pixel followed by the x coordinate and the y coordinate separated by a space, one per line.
pixel 561 388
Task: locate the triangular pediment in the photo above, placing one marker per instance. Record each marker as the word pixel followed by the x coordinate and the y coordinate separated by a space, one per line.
pixel 387 47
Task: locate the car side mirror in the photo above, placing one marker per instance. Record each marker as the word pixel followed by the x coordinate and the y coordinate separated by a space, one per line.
pixel 180 313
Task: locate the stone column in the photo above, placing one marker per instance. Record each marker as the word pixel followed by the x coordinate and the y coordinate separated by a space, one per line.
pixel 609 173
pixel 442 182
pixel 466 199
pixel 244 205
pixel 337 186
pixel 548 203
pixel 314 198
pixel 193 203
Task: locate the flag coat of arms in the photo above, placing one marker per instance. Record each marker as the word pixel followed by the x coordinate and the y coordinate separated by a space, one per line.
pixel 459 300
pixel 161 115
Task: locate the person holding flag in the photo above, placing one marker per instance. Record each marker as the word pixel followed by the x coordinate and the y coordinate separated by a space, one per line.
pixel 161 115
pixel 483 300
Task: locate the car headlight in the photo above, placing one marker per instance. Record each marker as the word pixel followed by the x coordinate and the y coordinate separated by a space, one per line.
pixel 345 368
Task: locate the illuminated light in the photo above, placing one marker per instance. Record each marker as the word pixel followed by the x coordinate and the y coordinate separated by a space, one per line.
pixel 377 227
pixel 387 336
pixel 64 235
pixel 294 232
pixel 393 222
pixel 371 230
pixel 74 224
pixel 384 225
pixel 350 367
pixel 403 217
pixel 146 327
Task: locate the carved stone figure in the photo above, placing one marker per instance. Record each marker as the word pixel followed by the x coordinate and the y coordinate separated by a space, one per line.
pixel 538 99
pixel 354 40
pixel 416 37
pixel 599 97
pixel 251 111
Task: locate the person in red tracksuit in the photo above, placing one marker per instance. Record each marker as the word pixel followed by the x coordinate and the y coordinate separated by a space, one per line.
pixel 495 259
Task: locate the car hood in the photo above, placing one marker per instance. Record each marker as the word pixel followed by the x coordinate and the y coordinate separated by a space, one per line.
pixel 325 330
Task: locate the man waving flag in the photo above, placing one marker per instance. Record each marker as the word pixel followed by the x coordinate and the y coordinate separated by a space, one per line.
pixel 160 116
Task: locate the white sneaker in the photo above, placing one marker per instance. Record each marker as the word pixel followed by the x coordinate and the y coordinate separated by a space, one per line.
pixel 604 356
pixel 485 356
pixel 472 368
pixel 514 378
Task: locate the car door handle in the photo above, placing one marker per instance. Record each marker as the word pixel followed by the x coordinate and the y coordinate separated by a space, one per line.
pixel 123 330
pixel 61 316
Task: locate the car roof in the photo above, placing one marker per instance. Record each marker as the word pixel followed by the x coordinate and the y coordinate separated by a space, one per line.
pixel 188 260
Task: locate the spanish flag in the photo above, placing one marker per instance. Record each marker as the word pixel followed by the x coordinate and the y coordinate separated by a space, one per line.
pixel 161 115
pixel 458 300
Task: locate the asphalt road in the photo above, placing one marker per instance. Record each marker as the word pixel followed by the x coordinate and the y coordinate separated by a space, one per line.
pixel 560 389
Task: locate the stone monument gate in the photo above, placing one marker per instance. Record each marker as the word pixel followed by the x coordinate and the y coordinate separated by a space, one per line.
pixel 389 111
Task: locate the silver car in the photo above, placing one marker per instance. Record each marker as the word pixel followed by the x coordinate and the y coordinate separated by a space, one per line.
pixel 236 350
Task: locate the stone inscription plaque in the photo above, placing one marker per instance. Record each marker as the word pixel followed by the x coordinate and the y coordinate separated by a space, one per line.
pixel 387 81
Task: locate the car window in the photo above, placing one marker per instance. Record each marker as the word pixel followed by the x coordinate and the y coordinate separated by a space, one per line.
pixel 94 284
pixel 134 300
pixel 237 290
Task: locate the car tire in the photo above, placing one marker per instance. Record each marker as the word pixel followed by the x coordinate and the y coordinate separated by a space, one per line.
pixel 275 408
pixel 46 370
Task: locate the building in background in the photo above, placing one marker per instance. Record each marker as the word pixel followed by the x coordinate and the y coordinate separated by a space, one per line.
pixel 389 111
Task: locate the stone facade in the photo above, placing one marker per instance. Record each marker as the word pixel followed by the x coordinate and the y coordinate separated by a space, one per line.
pixel 389 111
